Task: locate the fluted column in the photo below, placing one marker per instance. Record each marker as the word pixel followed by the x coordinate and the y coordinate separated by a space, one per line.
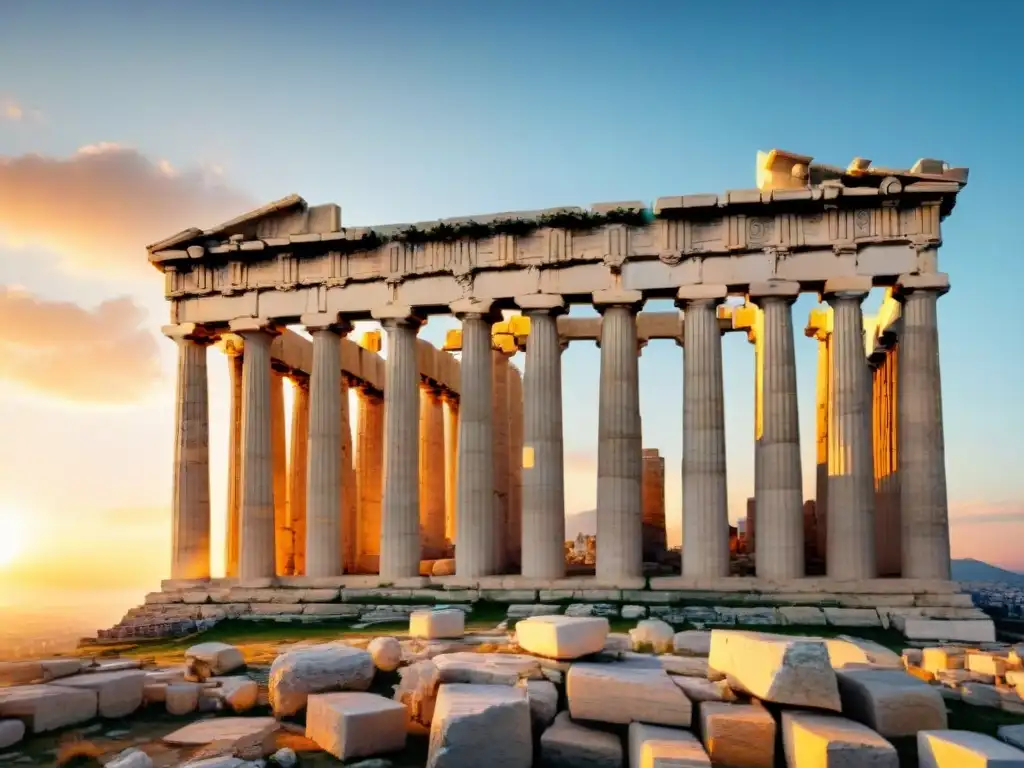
pixel 432 472
pixel 283 542
pixel 543 475
pixel 256 558
pixel 924 512
pixel 851 502
pixel 451 462
pixel 400 505
pixel 190 504
pixel 323 478
pixel 819 328
pixel 705 500
pixel 779 489
pixel 474 515
pixel 499 435
pixel 233 350
pixel 369 473
pixel 349 491
pixel 514 551
pixel 297 474
pixel 619 435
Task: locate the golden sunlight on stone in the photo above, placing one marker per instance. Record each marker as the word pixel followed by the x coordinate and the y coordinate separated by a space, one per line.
pixel 12 535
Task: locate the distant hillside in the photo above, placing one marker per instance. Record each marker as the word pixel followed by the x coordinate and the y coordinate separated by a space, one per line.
pixel 975 570
pixel 581 522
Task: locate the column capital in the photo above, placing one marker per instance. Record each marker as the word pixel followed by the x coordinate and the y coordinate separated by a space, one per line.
pixel 244 325
pixel 710 294
pixel 194 332
pixel 907 284
pixel 617 297
pixel 392 315
pixel 326 321
pixel 782 290
pixel 546 303
pixel 855 287
pixel 474 308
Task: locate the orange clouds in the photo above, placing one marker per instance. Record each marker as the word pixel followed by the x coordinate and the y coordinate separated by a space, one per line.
pixel 103 355
pixel 100 207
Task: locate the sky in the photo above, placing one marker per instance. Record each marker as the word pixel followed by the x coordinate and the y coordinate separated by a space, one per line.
pixel 127 122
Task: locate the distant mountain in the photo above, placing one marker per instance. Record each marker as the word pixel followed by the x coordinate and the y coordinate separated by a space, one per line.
pixel 581 522
pixel 974 570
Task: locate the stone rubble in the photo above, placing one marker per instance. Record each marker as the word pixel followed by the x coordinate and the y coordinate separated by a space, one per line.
pixel 567 744
pixel 296 674
pixel 475 722
pixel 562 637
pixel 352 724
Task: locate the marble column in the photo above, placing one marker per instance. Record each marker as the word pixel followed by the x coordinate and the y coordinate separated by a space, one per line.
pixel 451 462
pixel 499 436
pixel 887 508
pixel 256 556
pixel 851 502
pixel 323 477
pixel 820 329
pixel 190 501
pixel 924 512
pixel 779 489
pixel 619 435
pixel 474 515
pixel 432 472
pixel 705 499
pixel 369 474
pixel 233 350
pixel 400 505
pixel 542 460
pixel 297 470
pixel 514 552
pixel 349 492
pixel 283 543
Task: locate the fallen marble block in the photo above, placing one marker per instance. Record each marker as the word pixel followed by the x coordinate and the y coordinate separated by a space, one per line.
pixel 296 674
pixel 740 735
pixel 417 692
pixel 698 690
pixel 569 745
pixel 776 668
pixel 686 666
pixel 220 729
pixel 543 698
pixel 827 741
pixel 846 650
pixel 48 707
pixel 986 664
pixel 562 637
pixel 181 698
pixel 980 695
pixel 960 749
pixel 622 693
pixel 218 658
pixel 386 653
pixel 476 725
pixel 891 701
pixel 651 746
pixel 692 642
pixel 1012 735
pixel 432 625
pixel 118 693
pixel 486 668
pixel 239 693
pixel 652 635
pixel 42 671
pixel 959 630
pixel 943 658
pixel 350 725
pixel 11 732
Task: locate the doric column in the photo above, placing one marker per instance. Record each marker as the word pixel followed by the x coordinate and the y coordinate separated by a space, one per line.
pixel 819 328
pixel 432 472
pixel 474 516
pixel 283 541
pixel 705 500
pixel 619 436
pixel 256 558
pixel 499 435
pixel 323 477
pixel 922 454
pixel 888 532
pixel 400 505
pixel 190 504
pixel 451 462
pixel 543 476
pixel 369 474
pixel 297 473
pixel 851 501
pixel 349 490
pixel 779 489
pixel 514 551
pixel 233 350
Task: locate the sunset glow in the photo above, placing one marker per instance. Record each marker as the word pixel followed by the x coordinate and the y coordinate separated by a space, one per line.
pixel 12 535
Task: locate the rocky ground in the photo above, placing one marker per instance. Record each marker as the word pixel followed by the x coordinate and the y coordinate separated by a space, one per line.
pixel 449 692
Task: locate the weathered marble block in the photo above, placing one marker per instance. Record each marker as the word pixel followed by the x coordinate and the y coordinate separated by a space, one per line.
pixel 986 664
pixel 826 741
pixel 486 668
pixel 891 701
pixel 570 745
pixel 296 674
pixel 48 707
pixel 692 642
pixel 943 658
pixel 562 637
pixel 651 746
pixel 652 634
pixel 480 723
pixel 118 693
pixel 446 623
pixel 622 693
pixel 959 749
pixel 350 725
pixel 219 658
pixel 543 698
pixel 181 698
pixel 738 735
pixel 699 690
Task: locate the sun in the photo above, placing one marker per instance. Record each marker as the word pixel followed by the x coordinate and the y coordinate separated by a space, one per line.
pixel 12 535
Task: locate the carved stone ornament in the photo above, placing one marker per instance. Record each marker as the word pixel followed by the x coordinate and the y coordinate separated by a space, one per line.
pixel 670 257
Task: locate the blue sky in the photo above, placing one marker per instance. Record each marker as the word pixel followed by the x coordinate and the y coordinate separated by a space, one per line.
pixel 404 111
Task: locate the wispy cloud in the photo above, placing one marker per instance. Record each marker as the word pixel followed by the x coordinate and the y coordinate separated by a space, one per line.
pixel 101 206
pixel 986 513
pixel 66 351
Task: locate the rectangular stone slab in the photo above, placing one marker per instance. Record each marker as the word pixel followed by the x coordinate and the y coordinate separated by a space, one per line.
pixel 119 693
pixel 562 637
pixel 826 741
pixel 476 725
pixel 351 725
pixel 963 749
pixel 48 707
pixel 738 734
pixel 891 701
pixel 651 746
pixel 623 693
